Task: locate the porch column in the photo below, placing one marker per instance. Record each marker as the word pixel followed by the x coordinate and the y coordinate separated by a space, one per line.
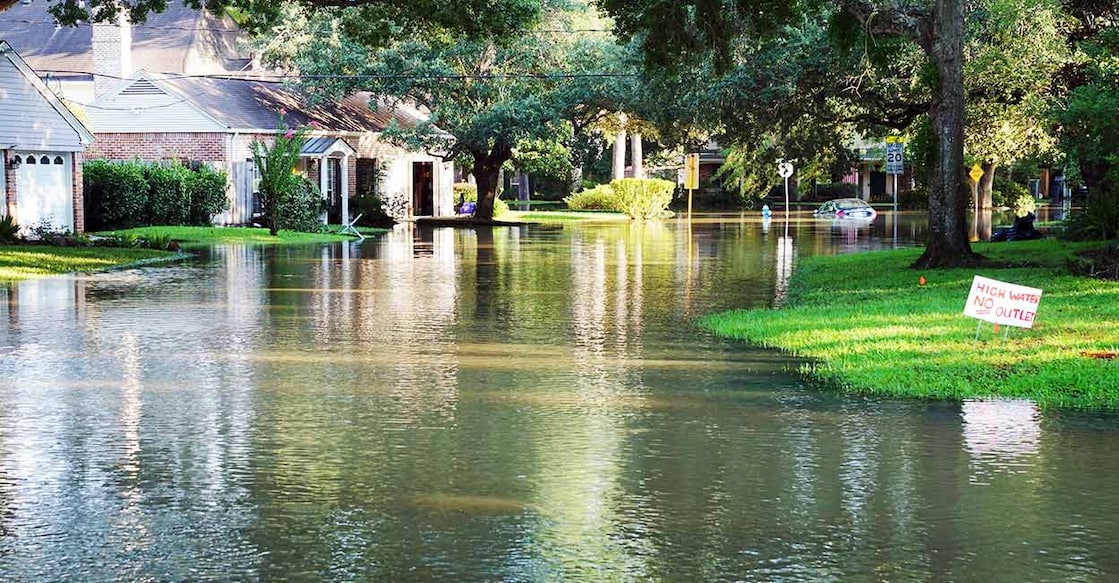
pixel 345 189
pixel 865 182
pixel 322 187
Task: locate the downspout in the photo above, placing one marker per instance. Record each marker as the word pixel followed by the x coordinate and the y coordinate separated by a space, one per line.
pixel 230 150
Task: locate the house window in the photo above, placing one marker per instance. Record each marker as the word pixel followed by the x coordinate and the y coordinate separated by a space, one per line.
pixel 58 160
pixel 31 160
pixel 366 176
pixel 45 160
pixel 17 160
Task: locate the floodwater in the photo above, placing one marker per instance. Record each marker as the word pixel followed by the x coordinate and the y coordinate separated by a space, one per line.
pixel 520 404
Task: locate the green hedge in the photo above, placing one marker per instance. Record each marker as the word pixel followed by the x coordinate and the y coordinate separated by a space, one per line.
pixel 598 198
pixel 643 198
pixel 123 195
pixel 116 195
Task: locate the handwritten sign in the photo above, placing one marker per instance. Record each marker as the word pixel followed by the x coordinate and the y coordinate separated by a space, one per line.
pixel 1002 303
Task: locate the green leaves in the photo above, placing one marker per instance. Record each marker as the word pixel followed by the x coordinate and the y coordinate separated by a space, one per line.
pixel 276 164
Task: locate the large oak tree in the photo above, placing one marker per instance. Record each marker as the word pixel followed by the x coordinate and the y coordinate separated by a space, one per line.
pixel 722 28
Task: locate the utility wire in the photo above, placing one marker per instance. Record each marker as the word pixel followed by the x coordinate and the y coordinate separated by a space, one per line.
pixel 227 30
pixel 280 77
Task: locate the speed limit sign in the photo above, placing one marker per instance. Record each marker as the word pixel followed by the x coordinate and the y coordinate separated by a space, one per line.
pixel 895 155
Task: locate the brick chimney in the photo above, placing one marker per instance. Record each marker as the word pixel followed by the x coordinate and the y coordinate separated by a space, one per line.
pixel 112 53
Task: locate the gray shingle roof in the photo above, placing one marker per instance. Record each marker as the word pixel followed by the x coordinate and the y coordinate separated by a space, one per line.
pixel 163 44
pixel 253 104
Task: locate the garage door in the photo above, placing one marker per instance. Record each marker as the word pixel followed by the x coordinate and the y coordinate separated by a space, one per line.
pixel 44 190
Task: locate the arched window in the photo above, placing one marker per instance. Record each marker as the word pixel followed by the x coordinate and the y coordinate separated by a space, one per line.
pixel 17 160
pixel 31 160
pixel 58 160
pixel 45 160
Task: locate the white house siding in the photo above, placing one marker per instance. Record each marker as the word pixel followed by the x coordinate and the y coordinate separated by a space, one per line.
pixel 27 119
pixel 143 107
pixel 396 184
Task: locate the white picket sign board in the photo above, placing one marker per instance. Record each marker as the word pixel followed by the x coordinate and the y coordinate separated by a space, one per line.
pixel 1002 303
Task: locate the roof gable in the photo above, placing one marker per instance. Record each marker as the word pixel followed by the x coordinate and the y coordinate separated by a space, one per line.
pixel 146 104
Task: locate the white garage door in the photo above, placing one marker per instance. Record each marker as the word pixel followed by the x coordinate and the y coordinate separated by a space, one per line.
pixel 44 191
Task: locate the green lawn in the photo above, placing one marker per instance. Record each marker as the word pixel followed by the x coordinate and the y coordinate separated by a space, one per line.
pixel 865 325
pixel 198 236
pixel 562 216
pixel 27 261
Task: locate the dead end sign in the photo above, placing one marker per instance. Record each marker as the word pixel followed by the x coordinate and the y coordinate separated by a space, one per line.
pixel 1002 303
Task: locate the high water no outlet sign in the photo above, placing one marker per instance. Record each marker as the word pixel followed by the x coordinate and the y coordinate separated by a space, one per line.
pixel 1002 303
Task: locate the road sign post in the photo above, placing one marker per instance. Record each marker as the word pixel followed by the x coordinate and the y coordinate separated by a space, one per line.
pixel 785 169
pixel 895 165
pixel 691 178
pixel 975 174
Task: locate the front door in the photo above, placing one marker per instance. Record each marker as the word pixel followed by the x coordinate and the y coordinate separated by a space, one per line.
pixel 423 189
pixel 334 190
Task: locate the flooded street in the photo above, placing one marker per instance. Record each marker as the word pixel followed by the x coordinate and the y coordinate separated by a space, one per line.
pixel 527 403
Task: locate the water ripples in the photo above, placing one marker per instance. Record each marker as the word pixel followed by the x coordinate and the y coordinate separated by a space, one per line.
pixel 370 412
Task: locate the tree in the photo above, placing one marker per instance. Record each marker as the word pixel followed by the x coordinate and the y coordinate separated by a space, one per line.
pixel 276 164
pixel 937 28
pixel 485 96
pixel 1089 91
pixel 381 20
pixel 1014 49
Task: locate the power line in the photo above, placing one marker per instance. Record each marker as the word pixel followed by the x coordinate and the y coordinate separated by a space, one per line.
pixel 147 26
pixel 280 77
pixel 142 26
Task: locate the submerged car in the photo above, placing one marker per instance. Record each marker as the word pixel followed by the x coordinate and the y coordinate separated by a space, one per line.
pixel 846 208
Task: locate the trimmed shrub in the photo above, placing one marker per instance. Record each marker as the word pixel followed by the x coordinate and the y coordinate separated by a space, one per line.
pixel 208 195
pixel 825 192
pixel 915 199
pixel 465 192
pixel 1023 204
pixel 169 187
pixel 500 207
pixel 122 195
pixel 116 194
pixel 1099 219
pixel 1006 192
pixel 299 205
pixel 643 198
pixel 599 198
pixel 372 211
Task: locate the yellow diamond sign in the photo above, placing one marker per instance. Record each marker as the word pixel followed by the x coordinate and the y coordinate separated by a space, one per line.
pixel 976 173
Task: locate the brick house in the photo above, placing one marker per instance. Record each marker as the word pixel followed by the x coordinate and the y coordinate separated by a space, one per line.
pixel 214 120
pixel 180 87
pixel 41 145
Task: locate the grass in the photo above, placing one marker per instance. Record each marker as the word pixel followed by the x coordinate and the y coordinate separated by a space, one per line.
pixel 865 325
pixel 563 216
pixel 27 261
pixel 367 231
pixel 200 236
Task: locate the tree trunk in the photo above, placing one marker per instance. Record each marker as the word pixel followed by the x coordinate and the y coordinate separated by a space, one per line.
pixel 487 172
pixel 987 186
pixel 947 244
pixel 638 156
pixel 619 168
